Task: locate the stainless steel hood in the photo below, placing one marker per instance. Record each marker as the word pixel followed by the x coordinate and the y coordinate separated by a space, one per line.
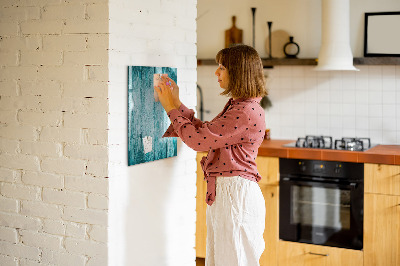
pixel 335 52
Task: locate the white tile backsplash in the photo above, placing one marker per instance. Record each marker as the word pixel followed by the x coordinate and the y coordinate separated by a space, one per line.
pixel 336 122
pixel 388 72
pixel 375 97
pixel 348 132
pixel 389 83
pixel 376 136
pixel 349 122
pixel 336 109
pixel 389 111
pixel 362 123
pixel 323 108
pixel 375 110
pixel 362 78
pixel 310 108
pixel 349 96
pixel 375 83
pixel 364 133
pixel 363 103
pixel 362 110
pixel 389 97
pixel 375 123
pixel 323 94
pixel 389 124
pixel 362 97
pixel 348 109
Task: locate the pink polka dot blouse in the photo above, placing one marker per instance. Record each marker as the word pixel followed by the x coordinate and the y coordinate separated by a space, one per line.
pixel 232 139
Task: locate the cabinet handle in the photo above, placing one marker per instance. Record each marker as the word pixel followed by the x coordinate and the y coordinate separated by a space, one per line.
pixel 318 254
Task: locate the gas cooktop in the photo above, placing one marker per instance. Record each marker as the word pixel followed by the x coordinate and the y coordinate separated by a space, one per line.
pixel 326 142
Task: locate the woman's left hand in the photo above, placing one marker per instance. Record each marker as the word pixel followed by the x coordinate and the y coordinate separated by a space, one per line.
pixel 165 96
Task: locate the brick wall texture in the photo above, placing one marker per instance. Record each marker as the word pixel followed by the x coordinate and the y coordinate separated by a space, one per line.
pixel 53 132
pixel 67 196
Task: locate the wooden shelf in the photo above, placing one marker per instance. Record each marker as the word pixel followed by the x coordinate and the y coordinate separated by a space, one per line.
pixel 269 63
pixel 377 61
pixel 289 62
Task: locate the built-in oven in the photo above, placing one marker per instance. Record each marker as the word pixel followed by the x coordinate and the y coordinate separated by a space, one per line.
pixel 321 202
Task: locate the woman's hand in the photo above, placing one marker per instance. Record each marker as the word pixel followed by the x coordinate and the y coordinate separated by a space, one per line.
pixel 175 91
pixel 165 96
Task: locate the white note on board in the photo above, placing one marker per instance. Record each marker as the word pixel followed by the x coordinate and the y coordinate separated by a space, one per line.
pixel 147 144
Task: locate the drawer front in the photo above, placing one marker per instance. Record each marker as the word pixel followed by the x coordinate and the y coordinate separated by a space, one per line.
pixel 299 254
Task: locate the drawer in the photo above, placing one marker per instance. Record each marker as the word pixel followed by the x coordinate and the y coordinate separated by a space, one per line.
pixel 299 254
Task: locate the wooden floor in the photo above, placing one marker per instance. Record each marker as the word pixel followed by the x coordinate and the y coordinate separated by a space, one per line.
pixel 200 262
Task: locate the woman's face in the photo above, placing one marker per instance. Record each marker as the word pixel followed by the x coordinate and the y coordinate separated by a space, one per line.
pixel 223 76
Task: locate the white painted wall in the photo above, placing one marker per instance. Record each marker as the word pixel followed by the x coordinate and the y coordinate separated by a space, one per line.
pixel 53 133
pixel 301 19
pixel 341 104
pixel 152 205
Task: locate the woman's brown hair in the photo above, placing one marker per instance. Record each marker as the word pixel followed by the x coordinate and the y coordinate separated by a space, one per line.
pixel 245 69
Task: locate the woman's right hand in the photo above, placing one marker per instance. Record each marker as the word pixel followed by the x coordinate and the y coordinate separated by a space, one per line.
pixel 175 91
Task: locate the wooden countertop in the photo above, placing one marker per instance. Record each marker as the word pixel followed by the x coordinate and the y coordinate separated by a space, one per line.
pixel 380 154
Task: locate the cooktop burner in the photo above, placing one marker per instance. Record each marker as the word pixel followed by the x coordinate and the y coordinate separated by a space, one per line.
pixel 326 142
pixel 323 142
pixel 353 144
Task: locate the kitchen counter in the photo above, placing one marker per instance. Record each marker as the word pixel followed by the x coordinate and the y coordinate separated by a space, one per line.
pixel 380 154
pixel 381 203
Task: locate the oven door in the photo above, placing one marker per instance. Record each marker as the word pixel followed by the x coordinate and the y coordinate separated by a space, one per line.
pixel 321 212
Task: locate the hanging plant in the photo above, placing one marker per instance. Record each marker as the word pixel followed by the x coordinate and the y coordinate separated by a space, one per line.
pixel 265 102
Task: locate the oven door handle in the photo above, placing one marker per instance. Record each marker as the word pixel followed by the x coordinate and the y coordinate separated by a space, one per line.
pixel 319 182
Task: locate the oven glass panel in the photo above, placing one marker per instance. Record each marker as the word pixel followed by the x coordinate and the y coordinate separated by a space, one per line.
pixel 321 207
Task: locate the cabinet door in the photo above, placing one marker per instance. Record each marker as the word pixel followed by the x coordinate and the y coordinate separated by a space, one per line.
pixel 201 205
pixel 268 168
pixel 299 254
pixel 271 232
pixel 381 230
pixel 382 179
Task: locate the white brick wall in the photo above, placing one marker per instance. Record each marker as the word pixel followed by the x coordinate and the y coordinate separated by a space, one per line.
pixel 53 132
pixel 152 205
pixel 60 138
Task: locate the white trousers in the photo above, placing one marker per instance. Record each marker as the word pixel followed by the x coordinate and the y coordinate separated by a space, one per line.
pixel 235 223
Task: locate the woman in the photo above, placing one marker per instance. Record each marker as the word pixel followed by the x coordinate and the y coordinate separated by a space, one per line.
pixel 236 211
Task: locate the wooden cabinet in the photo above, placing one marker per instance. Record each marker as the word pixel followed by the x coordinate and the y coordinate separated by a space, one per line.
pixel 271 232
pixel 269 170
pixel 381 221
pixel 201 205
pixel 382 215
pixel 299 254
pixel 381 230
pixel 382 179
pixel 269 184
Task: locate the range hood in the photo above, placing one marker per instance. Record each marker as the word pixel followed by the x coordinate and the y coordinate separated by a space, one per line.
pixel 335 52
